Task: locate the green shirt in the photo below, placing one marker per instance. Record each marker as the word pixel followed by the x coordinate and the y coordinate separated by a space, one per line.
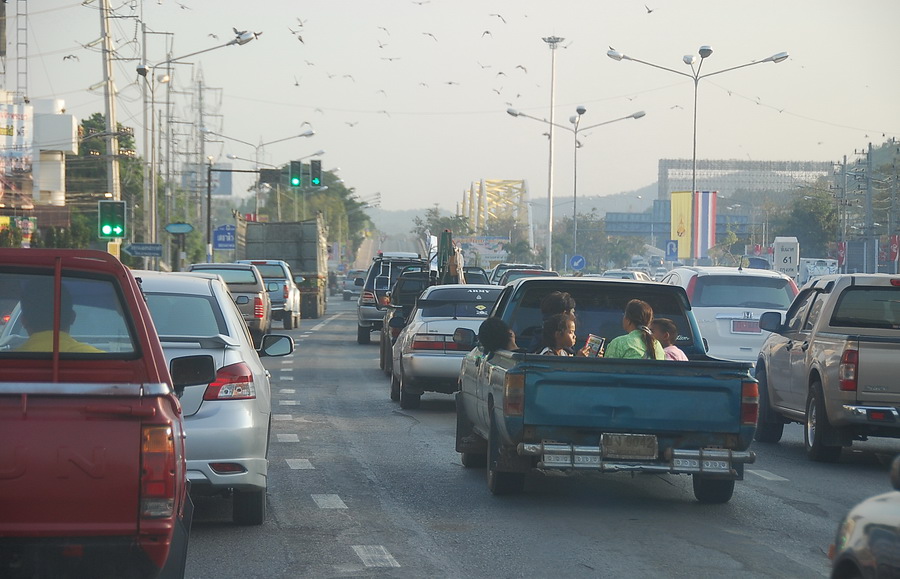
pixel 631 345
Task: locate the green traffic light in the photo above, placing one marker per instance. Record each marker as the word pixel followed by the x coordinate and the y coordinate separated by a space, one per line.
pixel 295 182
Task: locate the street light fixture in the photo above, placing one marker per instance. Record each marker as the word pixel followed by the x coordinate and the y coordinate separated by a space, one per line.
pixel 575 129
pixel 690 60
pixel 552 42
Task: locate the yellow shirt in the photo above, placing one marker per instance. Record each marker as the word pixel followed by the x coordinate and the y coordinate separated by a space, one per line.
pixel 43 342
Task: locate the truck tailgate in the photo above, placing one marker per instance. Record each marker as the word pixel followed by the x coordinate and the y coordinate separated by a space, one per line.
pixel 67 448
pixel 687 397
pixel 876 381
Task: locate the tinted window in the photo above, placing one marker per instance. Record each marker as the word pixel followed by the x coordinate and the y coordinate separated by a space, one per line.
pixel 271 270
pixel 868 307
pixel 742 292
pixel 185 315
pixel 231 275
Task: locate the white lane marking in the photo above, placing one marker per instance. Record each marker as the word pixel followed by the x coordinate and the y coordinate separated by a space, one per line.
pixel 285 378
pixel 326 321
pixel 329 502
pixel 288 403
pixel 288 438
pixel 287 391
pixel 282 417
pixel 299 464
pixel 375 556
pixel 766 475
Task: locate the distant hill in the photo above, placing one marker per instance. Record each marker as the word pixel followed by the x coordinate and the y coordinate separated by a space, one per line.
pixel 638 201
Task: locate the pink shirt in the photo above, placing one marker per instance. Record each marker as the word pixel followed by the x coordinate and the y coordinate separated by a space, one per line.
pixel 673 352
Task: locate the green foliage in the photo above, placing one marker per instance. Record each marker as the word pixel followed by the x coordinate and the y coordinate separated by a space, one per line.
pixel 435 223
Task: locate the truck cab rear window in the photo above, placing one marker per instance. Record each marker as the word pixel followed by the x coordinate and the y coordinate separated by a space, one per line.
pixel 91 318
pixel 868 307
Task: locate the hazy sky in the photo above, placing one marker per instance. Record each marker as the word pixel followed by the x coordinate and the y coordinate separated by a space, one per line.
pixel 409 98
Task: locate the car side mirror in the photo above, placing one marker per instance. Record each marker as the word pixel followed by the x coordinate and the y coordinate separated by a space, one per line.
pixel 397 322
pixel 770 321
pixel 275 345
pixel 241 300
pixel 464 337
pixel 895 472
pixel 192 370
pixel 273 286
pixel 298 279
pixel 360 282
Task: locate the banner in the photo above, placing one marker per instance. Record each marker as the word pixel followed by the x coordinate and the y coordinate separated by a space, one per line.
pixel 682 210
pixel 704 223
pixel 16 152
pixel 482 251
pixel 895 247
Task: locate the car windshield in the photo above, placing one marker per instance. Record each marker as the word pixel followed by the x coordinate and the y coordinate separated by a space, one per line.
pixel 868 307
pixel 231 275
pixel 742 291
pixel 185 315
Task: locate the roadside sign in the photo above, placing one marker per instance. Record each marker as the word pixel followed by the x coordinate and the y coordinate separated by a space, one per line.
pixel 144 249
pixel 672 250
pixel 179 228
pixel 223 237
pixel 577 262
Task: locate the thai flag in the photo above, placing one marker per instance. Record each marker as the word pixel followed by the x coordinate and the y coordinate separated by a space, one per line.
pixel 704 222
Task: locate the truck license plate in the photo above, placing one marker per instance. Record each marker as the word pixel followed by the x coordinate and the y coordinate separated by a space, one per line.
pixel 629 446
pixel 745 327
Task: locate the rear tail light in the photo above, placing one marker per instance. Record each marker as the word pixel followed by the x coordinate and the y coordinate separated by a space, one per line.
pixel 749 403
pixel 514 394
pixel 367 299
pixel 258 309
pixel 849 369
pixel 286 290
pixel 234 382
pixel 157 472
pixel 433 342
pixel 692 284
pixel 794 289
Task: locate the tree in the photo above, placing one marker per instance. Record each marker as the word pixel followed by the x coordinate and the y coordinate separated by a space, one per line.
pixel 813 219
pixel 435 223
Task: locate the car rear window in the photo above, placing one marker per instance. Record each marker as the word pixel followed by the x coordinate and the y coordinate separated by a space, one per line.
pixel 715 291
pixel 231 275
pixel 868 307
pixel 271 270
pixel 384 274
pixel 185 315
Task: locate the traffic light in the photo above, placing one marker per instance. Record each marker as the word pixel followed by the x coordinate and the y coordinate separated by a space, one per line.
pixel 295 177
pixel 111 219
pixel 315 172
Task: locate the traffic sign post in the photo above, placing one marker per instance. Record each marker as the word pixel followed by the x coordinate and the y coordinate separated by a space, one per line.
pixel 223 237
pixel 577 262
pixel 672 250
pixel 144 249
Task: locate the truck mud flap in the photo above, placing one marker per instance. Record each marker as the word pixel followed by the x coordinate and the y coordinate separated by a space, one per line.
pixel 177 561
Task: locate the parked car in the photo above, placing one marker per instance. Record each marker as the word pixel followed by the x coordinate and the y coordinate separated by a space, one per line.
pixel 248 290
pixel 410 285
pixel 511 275
pixel 226 421
pixel 867 544
pixel 373 299
pixel 831 364
pixel 501 268
pixel 349 289
pixel 626 274
pixel 425 357
pixel 727 302
pixel 285 299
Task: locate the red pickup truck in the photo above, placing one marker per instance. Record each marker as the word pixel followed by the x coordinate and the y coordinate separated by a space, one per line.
pixel 92 464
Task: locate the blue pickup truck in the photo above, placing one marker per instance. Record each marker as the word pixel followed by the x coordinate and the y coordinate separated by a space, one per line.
pixel 519 413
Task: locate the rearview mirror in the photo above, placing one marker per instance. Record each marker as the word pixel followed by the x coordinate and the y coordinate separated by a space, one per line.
pixel 192 370
pixel 275 345
pixel 242 300
pixel 273 286
pixel 464 337
pixel 360 282
pixel 770 321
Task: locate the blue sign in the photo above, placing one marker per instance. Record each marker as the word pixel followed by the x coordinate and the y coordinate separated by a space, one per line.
pixel 223 237
pixel 144 249
pixel 577 262
pixel 672 250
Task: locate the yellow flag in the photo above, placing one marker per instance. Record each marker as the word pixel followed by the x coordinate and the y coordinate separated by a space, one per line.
pixel 682 212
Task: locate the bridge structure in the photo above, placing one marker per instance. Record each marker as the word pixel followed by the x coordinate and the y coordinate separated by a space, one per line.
pixel 490 200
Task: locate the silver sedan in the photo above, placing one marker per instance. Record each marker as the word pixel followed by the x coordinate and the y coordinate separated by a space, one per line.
pixel 227 421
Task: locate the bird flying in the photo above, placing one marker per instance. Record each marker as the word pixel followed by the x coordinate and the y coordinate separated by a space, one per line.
pixel 522 67
pixel 431 35
pixel 498 16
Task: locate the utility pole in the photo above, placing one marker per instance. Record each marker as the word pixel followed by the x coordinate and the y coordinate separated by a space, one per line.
pixel 871 263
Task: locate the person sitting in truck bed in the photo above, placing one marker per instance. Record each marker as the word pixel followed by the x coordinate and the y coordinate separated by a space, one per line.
pixel 37 317
pixel 639 342
pixel 494 334
pixel 665 331
pixel 554 303
pixel 559 336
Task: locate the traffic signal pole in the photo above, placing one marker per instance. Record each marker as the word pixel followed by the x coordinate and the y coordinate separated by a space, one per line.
pixel 209 171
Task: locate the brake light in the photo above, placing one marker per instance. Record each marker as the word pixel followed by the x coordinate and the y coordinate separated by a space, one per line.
pixel 286 290
pixel 849 369
pixel 428 342
pixel 794 289
pixel 749 403
pixel 514 395
pixel 690 288
pixel 368 298
pixel 258 310
pixel 157 472
pixel 234 382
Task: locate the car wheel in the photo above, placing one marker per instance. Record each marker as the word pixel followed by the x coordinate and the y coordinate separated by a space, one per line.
pixel 395 387
pixel 712 490
pixel 769 427
pixel 381 358
pixel 249 507
pixel 498 482
pixel 408 401
pixel 389 359
pixel 288 318
pixel 818 429
pixel 362 335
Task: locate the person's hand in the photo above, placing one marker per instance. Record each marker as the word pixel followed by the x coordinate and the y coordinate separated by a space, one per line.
pixel 584 351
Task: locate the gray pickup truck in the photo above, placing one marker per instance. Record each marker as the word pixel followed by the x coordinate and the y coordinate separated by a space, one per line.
pixel 285 297
pixel 249 291
pixel 831 364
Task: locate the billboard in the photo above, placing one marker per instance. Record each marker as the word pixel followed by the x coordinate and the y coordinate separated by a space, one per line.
pixel 482 251
pixel 16 153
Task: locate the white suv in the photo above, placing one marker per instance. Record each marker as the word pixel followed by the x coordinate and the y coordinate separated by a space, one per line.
pixel 727 302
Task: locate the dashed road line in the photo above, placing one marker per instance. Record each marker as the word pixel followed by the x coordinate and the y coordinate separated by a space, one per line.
pixel 299 464
pixel 282 417
pixel 375 556
pixel 329 501
pixel 287 391
pixel 288 403
pixel 766 475
pixel 288 438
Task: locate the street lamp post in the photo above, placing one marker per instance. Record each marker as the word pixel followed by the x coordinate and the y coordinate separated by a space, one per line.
pixel 552 42
pixel 690 60
pixel 575 129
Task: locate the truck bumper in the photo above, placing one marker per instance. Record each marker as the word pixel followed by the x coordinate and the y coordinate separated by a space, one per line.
pixel 708 461
pixel 874 415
